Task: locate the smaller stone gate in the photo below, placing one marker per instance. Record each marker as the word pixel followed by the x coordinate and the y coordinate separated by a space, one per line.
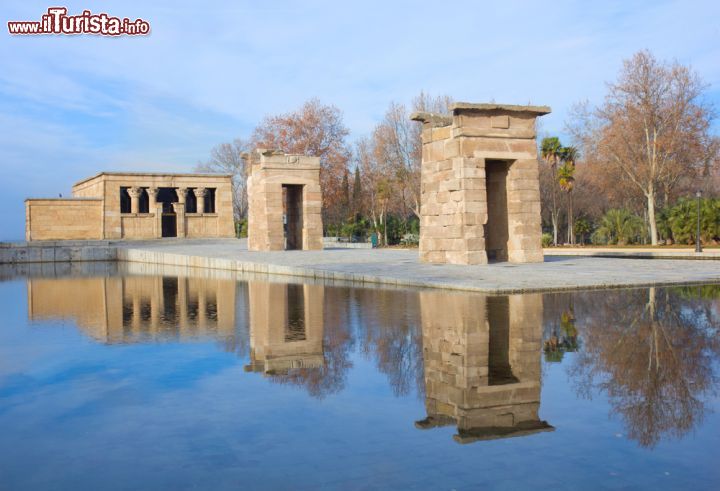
pixel 284 202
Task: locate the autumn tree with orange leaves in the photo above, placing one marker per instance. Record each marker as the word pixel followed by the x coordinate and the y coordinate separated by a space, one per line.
pixel 315 129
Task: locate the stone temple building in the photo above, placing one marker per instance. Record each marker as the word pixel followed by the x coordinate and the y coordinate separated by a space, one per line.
pixel 284 202
pixel 124 205
pixel 480 189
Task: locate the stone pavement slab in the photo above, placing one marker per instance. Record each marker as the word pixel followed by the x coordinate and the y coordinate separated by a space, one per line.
pixel 402 267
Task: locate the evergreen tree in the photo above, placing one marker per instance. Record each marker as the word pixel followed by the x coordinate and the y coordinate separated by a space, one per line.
pixel 357 193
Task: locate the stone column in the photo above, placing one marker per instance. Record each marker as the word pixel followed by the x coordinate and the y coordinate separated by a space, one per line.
pixel 200 196
pixel 134 193
pixel 152 199
pixel 181 194
pixel 179 209
pixel 156 208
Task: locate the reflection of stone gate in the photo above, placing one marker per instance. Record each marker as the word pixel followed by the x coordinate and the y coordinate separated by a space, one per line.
pixel 482 364
pixel 286 327
pixel 285 202
pixel 480 191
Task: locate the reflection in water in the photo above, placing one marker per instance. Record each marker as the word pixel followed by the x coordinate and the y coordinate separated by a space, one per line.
pixel 474 359
pixel 482 364
pixel 653 352
pixel 126 309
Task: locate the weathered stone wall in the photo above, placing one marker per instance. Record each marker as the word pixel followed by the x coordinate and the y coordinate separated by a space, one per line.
pixel 268 172
pixel 138 226
pixel 63 218
pixel 454 190
pixel 467 339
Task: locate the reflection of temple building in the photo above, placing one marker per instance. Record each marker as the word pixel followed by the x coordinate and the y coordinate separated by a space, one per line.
pixel 121 309
pixel 286 327
pixel 482 364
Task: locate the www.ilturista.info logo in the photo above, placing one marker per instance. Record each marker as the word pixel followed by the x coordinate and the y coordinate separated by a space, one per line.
pixel 56 21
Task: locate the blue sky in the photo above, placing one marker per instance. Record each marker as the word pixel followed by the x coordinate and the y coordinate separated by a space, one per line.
pixel 71 106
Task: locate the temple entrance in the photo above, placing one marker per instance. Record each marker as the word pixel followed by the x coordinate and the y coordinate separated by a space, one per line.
pixel 169 225
pixel 293 207
pixel 166 197
pixel 496 228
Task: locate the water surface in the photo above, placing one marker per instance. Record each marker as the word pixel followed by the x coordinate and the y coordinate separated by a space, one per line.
pixel 182 379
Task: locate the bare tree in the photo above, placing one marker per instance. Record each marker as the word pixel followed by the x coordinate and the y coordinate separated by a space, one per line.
pixel 226 158
pixel 398 143
pixel 651 130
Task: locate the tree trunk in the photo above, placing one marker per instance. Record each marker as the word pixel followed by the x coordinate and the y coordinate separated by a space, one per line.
pixel 570 219
pixel 651 216
pixel 554 218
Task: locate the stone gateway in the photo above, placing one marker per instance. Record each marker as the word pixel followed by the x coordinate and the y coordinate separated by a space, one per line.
pixel 284 202
pixel 480 187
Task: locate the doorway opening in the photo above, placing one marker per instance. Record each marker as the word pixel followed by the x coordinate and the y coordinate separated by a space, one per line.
pixel 496 229
pixel 166 197
pixel 292 206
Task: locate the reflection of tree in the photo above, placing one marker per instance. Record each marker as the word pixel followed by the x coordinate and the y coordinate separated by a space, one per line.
pixel 392 335
pixel 330 377
pixel 651 351
pixel 324 380
pixel 566 340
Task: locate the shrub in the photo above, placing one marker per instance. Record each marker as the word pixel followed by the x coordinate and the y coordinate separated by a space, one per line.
pixel 241 228
pixel 682 219
pixel 618 226
pixel 547 239
pixel 410 240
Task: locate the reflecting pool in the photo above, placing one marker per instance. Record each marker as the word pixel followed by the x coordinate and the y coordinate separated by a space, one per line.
pixel 119 377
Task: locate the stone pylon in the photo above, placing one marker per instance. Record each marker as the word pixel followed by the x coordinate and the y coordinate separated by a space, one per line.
pixel 480 187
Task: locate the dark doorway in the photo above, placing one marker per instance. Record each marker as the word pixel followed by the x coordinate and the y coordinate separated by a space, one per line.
pixel 496 228
pixel 499 368
pixel 293 202
pixel 168 222
pixel 169 225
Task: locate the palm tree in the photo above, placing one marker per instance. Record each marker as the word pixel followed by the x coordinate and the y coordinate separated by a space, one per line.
pixel 566 180
pixel 551 150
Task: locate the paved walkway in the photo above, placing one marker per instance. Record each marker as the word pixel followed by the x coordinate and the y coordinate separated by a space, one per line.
pixel 636 252
pixel 401 267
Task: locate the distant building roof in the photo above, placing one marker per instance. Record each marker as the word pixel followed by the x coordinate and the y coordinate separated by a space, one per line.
pixel 154 174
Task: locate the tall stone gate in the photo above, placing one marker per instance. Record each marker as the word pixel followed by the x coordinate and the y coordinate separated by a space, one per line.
pixel 480 188
pixel 284 202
